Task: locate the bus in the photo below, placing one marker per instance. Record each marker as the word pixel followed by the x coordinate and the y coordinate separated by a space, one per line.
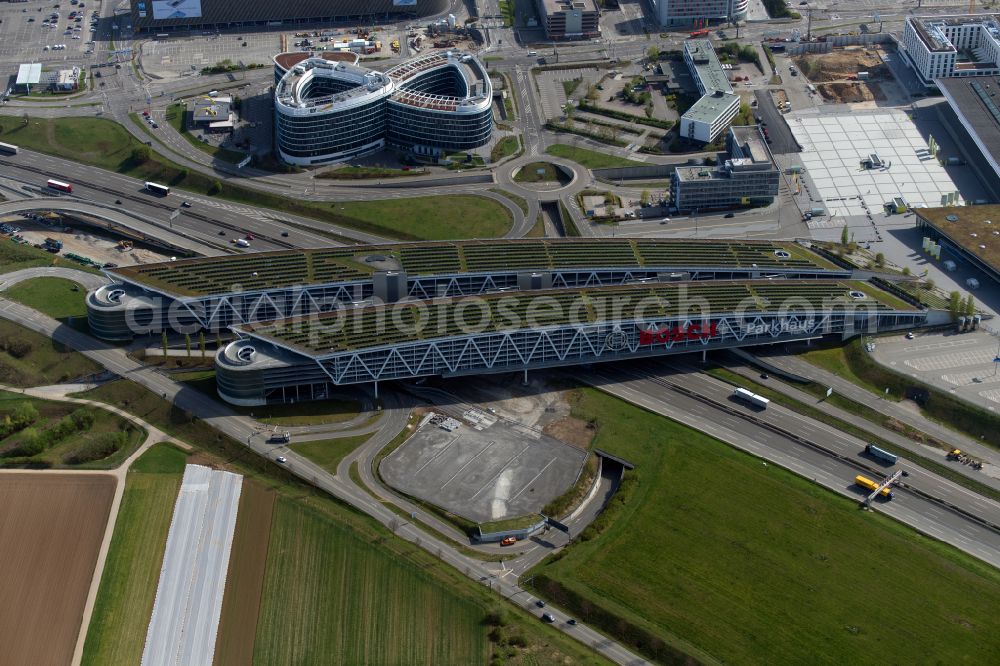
pixel 156 188
pixel 8 149
pixel 865 482
pixel 59 185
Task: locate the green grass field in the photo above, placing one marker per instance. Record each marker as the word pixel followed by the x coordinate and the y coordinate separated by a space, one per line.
pixel 328 453
pixel 736 562
pixel 97 446
pixel 106 144
pixel 31 359
pixel 117 632
pixel 57 297
pixel 590 158
pixel 434 218
pixel 354 604
pixel 540 172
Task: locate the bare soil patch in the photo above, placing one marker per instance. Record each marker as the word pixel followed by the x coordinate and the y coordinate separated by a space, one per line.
pixel 573 431
pixel 245 580
pixel 50 533
pixel 845 93
pixel 840 64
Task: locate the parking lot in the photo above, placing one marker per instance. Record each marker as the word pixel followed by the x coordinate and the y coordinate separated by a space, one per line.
pixel 29 27
pixel 186 55
pixel 960 363
pixel 504 469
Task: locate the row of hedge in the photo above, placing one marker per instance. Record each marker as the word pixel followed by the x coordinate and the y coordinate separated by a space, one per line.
pixel 621 115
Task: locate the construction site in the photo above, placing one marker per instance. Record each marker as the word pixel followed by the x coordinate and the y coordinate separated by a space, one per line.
pixel 849 75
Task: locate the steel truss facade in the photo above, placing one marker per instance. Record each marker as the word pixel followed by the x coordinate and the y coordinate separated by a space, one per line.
pixel 303 377
pixel 218 312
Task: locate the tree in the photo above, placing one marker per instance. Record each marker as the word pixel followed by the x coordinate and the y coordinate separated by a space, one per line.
pixel 24 119
pixel 844 238
pixel 201 342
pixel 653 53
pixel 592 93
pixel 649 108
pixel 164 338
pixel 955 305
pixel 645 197
pixel 929 285
pixel 141 154
pixel 970 306
pixel 880 260
pixel 216 188
pixel 187 343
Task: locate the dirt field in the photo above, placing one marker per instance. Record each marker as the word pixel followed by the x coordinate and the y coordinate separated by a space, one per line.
pixel 245 581
pixel 845 93
pixel 50 532
pixel 840 64
pixel 571 430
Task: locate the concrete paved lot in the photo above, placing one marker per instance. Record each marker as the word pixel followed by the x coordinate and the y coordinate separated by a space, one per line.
pixel 503 470
pixel 960 363
pixel 186 55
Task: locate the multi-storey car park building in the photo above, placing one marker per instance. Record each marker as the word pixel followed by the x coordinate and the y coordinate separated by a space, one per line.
pixel 709 116
pixel 307 359
pixel 674 13
pixel 570 19
pixel 218 292
pixel 328 111
pixel 154 16
pixel 941 47
pixel 746 177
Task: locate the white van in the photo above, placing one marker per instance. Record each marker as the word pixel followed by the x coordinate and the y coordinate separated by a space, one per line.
pixel 532 54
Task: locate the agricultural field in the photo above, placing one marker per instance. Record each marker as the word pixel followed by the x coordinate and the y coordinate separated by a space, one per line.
pixel 332 598
pixel 762 566
pixel 44 433
pixel 50 536
pixel 58 298
pixel 245 579
pixel 31 359
pixel 117 632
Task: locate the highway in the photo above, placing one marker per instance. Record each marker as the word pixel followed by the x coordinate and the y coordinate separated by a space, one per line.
pixel 932 518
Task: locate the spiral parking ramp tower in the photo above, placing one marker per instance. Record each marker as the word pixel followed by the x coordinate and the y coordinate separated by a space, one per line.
pixel 329 111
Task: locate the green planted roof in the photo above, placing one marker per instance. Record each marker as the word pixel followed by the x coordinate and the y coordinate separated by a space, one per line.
pixel 286 268
pixel 397 323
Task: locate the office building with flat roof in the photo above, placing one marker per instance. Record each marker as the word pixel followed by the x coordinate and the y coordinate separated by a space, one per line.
pixel 746 177
pixel 678 13
pixel 570 19
pixel 709 116
pixel 940 47
pixel 155 16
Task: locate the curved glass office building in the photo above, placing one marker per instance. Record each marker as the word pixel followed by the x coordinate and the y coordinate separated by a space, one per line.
pixel 328 111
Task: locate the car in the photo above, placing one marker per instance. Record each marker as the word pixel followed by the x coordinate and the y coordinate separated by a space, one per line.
pixel 281 460
pixel 118 202
pixel 76 36
pixel 764 375
pixel 221 232
pixel 110 264
pixel 728 215
pixel 152 123
pixel 509 541
pixel 548 617
pixel 284 234
pixel 540 603
pixel 905 473
pixel 145 114
pixel 909 335
pixel 249 236
pixel 571 622
pixel 185 204
pixel 31 19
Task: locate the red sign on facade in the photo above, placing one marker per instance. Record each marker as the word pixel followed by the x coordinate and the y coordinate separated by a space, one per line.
pixel 678 333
